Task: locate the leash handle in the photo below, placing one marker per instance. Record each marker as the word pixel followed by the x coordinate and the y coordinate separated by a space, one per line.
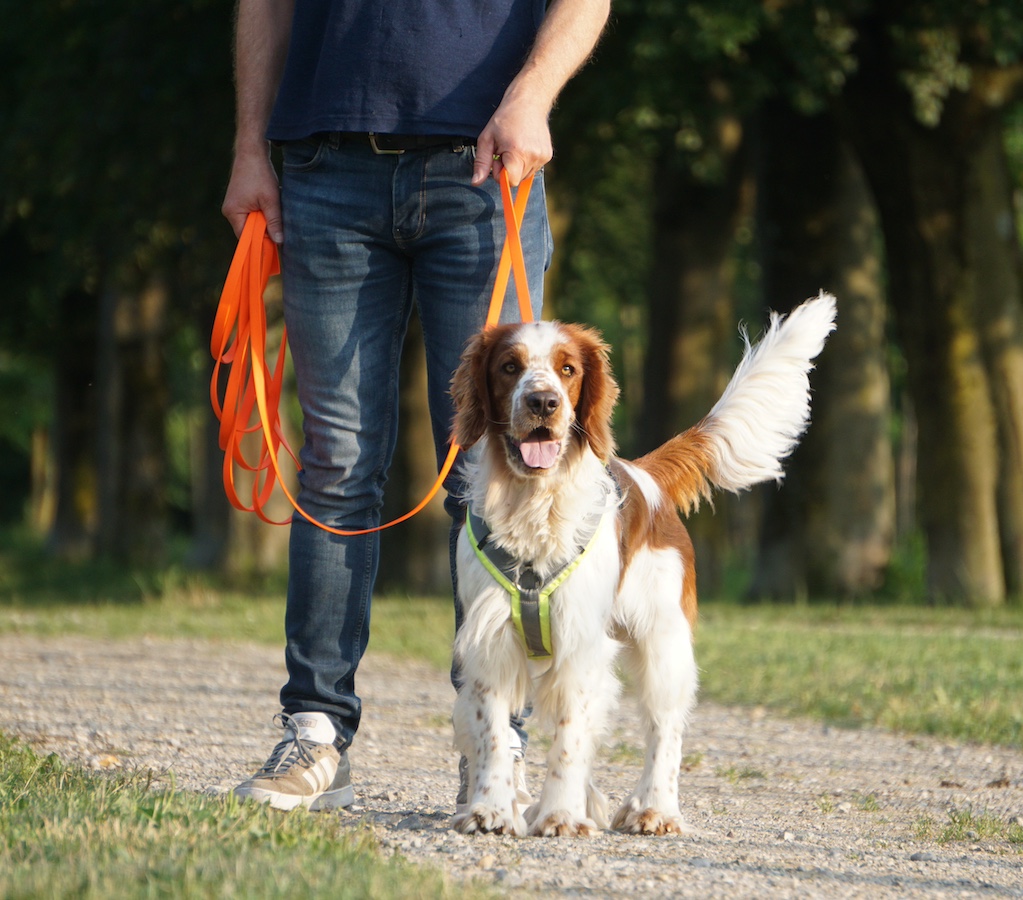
pixel 511 254
pixel 252 394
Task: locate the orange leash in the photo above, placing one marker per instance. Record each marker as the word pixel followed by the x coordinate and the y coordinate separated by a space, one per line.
pixel 253 390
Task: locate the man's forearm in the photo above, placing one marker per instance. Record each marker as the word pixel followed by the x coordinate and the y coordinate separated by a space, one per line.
pixel 262 32
pixel 566 39
pixel 517 138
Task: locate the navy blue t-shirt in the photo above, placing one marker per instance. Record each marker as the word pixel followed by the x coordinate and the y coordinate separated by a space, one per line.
pixel 401 66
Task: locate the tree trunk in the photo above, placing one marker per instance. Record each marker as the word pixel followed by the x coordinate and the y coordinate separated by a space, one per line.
pixel 920 179
pixel 995 259
pixel 131 455
pixel 73 436
pixel 691 325
pixel 829 530
pixel 210 510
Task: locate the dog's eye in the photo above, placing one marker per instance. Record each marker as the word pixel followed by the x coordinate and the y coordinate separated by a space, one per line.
pixel 567 370
pixel 510 367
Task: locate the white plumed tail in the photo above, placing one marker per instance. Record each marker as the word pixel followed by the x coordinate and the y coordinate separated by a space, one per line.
pixel 765 408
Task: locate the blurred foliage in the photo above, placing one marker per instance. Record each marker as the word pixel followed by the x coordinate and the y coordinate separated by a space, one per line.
pixel 665 73
pixel 116 125
pixel 115 134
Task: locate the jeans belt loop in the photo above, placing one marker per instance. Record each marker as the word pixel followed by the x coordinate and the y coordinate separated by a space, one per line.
pixel 378 150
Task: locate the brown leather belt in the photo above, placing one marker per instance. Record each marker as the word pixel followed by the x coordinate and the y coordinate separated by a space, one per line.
pixel 399 143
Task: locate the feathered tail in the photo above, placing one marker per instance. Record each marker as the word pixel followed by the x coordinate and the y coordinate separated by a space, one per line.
pixel 760 417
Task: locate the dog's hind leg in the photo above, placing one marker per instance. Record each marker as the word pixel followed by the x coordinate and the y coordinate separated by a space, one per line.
pixel 659 653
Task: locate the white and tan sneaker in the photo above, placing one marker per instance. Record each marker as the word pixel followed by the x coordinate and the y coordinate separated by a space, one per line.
pixel 305 769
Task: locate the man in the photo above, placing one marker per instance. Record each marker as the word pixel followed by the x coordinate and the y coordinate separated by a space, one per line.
pixel 395 120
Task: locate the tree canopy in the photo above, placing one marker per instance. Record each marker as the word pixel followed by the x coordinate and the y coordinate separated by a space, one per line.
pixel 116 124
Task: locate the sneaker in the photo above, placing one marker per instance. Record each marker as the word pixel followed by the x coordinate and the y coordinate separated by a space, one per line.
pixel 522 796
pixel 305 769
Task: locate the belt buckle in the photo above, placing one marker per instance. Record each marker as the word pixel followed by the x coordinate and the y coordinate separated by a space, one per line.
pixel 378 150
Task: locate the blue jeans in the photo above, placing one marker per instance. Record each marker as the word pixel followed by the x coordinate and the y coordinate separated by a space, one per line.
pixel 367 237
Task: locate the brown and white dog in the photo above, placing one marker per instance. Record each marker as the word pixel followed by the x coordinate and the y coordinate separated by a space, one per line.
pixel 537 399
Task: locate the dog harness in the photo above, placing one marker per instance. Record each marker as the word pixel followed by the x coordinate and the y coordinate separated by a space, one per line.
pixel 530 595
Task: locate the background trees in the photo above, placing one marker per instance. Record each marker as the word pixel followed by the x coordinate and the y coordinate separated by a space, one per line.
pixel 115 124
pixel 714 159
pixel 834 114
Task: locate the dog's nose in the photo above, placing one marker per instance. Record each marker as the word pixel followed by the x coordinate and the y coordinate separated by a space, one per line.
pixel 542 403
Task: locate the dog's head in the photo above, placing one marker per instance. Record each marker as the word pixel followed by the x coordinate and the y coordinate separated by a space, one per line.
pixel 540 390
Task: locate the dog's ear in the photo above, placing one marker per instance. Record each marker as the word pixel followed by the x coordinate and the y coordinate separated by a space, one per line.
pixel 599 393
pixel 471 392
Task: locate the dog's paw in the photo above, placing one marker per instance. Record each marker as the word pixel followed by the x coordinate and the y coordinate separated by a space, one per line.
pixel 562 824
pixel 482 819
pixel 630 819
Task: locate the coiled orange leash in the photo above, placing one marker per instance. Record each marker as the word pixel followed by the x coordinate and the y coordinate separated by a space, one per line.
pixel 253 390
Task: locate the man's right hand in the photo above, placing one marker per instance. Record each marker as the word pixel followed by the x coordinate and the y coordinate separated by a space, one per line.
pixel 253 186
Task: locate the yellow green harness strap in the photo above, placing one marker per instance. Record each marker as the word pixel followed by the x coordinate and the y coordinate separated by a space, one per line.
pixel 530 596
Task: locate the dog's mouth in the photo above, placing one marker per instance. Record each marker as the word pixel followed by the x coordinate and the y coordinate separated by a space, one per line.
pixel 538 450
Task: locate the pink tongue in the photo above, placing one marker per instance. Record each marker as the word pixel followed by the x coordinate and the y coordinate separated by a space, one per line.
pixel 539 454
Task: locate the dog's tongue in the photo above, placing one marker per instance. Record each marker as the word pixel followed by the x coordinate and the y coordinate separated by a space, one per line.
pixel 539 454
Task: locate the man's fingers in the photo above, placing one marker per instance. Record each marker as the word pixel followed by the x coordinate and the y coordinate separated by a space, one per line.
pixel 493 164
pixel 491 160
pixel 480 171
pixel 253 186
pixel 274 223
pixel 237 214
pixel 236 221
pixel 275 231
pixel 512 163
pixel 485 149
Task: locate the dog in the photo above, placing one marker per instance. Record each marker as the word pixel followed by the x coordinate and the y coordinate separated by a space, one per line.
pixel 571 557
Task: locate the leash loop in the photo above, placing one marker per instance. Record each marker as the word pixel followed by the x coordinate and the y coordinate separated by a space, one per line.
pixel 252 394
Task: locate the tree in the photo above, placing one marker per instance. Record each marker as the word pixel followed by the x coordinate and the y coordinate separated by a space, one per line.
pixel 920 90
pixel 117 193
pixel 830 531
pixel 681 89
pixel 924 109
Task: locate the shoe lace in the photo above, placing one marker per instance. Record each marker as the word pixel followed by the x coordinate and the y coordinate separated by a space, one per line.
pixel 289 752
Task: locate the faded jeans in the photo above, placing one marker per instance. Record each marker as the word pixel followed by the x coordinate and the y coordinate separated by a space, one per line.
pixel 367 237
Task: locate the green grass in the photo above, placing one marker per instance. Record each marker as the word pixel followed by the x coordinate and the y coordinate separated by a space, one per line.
pixel 967 825
pixel 41 596
pixel 951 672
pixel 67 833
pixel 420 628
pixel 735 775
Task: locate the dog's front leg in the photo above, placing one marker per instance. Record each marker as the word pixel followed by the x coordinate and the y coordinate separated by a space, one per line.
pixel 481 732
pixel 570 805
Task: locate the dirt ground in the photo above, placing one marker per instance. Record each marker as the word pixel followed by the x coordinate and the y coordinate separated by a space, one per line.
pixel 781 808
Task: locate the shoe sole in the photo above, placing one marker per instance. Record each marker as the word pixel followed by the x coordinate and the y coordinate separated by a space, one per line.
pixel 338 799
pixel 342 798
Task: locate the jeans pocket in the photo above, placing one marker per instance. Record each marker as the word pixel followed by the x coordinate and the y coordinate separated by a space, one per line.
pixel 304 155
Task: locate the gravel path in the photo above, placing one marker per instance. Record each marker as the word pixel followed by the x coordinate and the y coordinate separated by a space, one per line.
pixel 783 808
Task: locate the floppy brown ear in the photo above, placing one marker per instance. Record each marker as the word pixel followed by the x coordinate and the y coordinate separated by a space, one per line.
pixel 471 392
pixel 599 393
